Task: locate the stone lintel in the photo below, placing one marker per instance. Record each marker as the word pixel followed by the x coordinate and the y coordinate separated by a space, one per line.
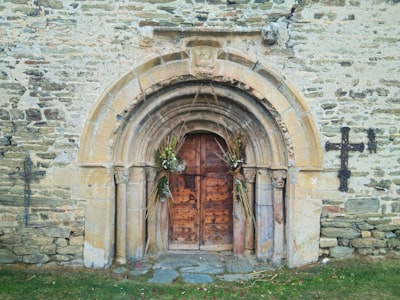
pixel 201 30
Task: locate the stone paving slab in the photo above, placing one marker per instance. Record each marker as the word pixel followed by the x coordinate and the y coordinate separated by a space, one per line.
pixel 187 260
pixel 197 278
pixel 236 264
pixel 203 269
pixel 164 276
pixel 236 277
pixel 196 268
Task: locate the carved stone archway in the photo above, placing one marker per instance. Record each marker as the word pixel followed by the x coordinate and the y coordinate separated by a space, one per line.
pixel 206 89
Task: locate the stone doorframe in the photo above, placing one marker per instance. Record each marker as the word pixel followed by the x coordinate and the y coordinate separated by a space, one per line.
pixel 200 89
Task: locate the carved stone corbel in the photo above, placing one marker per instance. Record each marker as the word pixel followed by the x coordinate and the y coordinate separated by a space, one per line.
pixel 278 178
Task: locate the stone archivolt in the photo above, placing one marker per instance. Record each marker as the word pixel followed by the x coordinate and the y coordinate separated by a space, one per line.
pixel 202 89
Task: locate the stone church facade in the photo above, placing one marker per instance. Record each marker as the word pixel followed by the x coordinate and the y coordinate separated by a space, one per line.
pixel 89 90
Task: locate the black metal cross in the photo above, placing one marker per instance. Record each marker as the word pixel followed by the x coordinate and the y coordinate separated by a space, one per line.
pixel 27 185
pixel 344 147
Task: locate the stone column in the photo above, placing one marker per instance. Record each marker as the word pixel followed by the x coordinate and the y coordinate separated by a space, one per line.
pixel 136 207
pixel 121 179
pixel 151 247
pixel 264 216
pixel 250 175
pixel 278 183
pixel 239 227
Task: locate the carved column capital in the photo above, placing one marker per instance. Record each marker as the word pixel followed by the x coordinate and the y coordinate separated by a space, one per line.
pixel 278 178
pixel 151 173
pixel 250 174
pixel 121 175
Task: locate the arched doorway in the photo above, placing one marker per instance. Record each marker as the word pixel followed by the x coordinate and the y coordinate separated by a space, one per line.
pixel 201 205
pixel 220 94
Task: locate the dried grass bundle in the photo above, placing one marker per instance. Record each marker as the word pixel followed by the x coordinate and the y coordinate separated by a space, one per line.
pixel 233 156
pixel 167 162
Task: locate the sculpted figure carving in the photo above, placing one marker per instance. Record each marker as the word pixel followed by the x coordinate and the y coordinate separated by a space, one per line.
pixel 203 58
pixel 278 179
pixel 121 175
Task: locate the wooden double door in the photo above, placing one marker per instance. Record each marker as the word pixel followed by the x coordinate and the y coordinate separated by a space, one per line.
pixel 201 206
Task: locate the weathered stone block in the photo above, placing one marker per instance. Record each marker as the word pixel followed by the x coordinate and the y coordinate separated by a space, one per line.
pixel 4 115
pixel 6 257
pixel 341 252
pixel 394 244
pixel 364 251
pixel 388 227
pixel 26 249
pixel 327 242
pixel 33 114
pixel 54 114
pixel 366 226
pixel 377 221
pixel 76 241
pixel 10 239
pixel 335 223
pixel 61 242
pixel 48 249
pixel 70 250
pixel 56 232
pixel 62 257
pixel 365 234
pixel 340 232
pixel 378 234
pixel 368 243
pixel 36 259
pixel 362 206
pixel 37 240
pixel 55 4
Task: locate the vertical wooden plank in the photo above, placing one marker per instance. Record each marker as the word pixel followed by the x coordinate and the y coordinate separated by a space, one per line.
pixel 184 206
pixel 216 194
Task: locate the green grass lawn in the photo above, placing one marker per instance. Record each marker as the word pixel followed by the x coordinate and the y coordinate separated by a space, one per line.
pixel 346 279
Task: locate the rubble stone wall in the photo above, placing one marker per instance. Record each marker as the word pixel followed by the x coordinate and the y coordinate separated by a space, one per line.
pixel 58 57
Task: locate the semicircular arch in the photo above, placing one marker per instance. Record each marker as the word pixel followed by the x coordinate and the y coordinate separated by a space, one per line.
pixel 161 91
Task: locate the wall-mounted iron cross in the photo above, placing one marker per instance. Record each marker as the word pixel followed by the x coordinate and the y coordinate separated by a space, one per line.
pixel 28 174
pixel 344 147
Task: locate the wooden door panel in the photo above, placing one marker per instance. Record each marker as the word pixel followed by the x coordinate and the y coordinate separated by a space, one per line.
pixel 218 217
pixel 216 225
pixel 201 207
pixel 184 236
pixel 216 234
pixel 184 205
